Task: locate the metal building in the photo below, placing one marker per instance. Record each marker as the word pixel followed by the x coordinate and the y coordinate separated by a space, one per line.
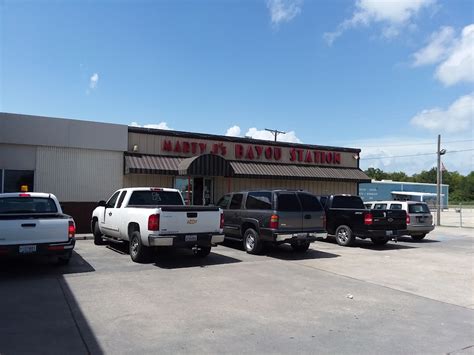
pixel 82 162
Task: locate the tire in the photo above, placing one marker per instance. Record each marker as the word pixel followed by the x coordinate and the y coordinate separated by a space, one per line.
pixel 139 252
pixel 97 235
pixel 64 259
pixel 379 241
pixel 418 237
pixel 344 236
pixel 252 242
pixel 300 248
pixel 203 252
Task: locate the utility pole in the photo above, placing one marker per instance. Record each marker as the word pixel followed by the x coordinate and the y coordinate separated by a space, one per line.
pixel 439 153
pixel 275 132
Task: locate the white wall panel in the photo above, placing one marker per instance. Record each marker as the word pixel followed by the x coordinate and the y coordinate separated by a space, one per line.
pixel 78 175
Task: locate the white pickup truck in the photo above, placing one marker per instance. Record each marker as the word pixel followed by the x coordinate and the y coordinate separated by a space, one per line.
pixel 148 217
pixel 33 224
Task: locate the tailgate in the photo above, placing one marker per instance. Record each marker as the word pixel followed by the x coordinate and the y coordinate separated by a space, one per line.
pixel 33 230
pixel 388 219
pixel 189 220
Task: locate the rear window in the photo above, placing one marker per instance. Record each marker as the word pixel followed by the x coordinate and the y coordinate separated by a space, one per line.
pixel 418 208
pixel 224 202
pixel 309 202
pixel 27 205
pixel 396 206
pixel 380 206
pixel 353 202
pixel 153 198
pixel 288 203
pixel 259 201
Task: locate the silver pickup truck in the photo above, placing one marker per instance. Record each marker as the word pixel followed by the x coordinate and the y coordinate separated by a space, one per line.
pixel 149 217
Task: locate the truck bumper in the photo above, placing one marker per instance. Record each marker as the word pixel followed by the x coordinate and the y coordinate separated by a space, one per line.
pixel 297 237
pixel 185 241
pixel 31 249
pixel 416 230
pixel 382 234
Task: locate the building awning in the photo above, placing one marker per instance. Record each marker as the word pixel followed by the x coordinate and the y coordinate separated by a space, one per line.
pixel 205 165
pixel 214 165
pixel 305 172
pixel 151 164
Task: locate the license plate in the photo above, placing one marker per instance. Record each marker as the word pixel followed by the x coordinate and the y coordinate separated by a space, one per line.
pixel 301 235
pixel 191 238
pixel 388 232
pixel 27 249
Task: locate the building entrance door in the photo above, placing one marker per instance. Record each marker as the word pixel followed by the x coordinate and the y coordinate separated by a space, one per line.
pixel 202 191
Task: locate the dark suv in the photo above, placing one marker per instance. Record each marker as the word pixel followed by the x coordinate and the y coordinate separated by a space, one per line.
pixel 273 216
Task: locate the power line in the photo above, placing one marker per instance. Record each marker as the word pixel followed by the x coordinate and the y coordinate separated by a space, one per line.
pixel 415 144
pixel 414 155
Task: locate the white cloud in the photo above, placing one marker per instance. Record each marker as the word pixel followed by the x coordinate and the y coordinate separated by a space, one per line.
pixel 233 131
pixel 455 55
pixel 266 135
pixel 93 81
pixel 283 10
pixel 437 49
pixel 456 118
pixel 459 66
pixel 161 125
pixel 394 15
pixel 414 154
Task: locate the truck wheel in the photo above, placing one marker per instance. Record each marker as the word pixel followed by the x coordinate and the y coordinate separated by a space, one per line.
pixel 418 237
pixel 344 235
pixel 300 248
pixel 203 252
pixel 252 242
pixel 97 235
pixel 139 252
pixel 379 241
pixel 64 259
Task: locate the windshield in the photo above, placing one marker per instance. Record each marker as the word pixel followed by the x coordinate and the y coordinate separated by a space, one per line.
pixel 154 198
pixel 12 205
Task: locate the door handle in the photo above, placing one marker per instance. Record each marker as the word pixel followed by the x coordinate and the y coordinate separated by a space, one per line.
pixel 25 225
pixel 307 216
pixel 110 213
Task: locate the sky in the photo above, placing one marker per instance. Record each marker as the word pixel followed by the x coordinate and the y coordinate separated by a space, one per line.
pixel 383 76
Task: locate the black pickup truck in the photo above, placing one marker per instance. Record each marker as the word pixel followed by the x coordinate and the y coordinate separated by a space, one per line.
pixel 347 218
pixel 272 216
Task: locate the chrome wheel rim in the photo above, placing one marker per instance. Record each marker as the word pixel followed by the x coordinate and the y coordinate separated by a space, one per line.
pixel 343 235
pixel 250 241
pixel 134 248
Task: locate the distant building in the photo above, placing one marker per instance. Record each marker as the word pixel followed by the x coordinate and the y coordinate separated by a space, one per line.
pixel 402 191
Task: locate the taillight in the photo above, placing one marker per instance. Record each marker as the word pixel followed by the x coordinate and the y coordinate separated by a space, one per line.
pixel 274 221
pixel 222 221
pixel 24 195
pixel 71 230
pixel 154 222
pixel 408 219
pixel 368 219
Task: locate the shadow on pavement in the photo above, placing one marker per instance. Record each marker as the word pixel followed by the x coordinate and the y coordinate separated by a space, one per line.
pixel 183 258
pixel 171 258
pixel 367 244
pixel 285 252
pixel 39 313
pixel 407 239
pixel 24 267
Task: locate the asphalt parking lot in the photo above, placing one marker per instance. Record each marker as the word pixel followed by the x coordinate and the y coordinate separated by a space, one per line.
pixel 402 298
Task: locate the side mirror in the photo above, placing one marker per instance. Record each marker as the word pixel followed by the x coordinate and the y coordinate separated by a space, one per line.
pixel 102 203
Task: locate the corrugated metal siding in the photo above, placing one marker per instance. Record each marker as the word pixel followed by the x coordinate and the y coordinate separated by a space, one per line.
pixel 78 175
pixel 145 180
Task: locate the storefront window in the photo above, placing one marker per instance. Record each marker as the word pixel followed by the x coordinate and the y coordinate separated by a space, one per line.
pixel 182 183
pixel 15 179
